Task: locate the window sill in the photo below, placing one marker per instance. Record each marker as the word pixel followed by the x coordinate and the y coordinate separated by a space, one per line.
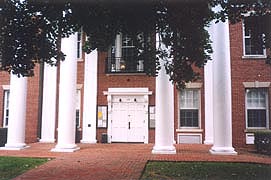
pixel 253 130
pixel 126 74
pixel 254 57
pixel 80 60
pixel 190 130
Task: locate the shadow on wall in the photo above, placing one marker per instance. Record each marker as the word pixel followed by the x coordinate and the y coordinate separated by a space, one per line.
pixel 3 136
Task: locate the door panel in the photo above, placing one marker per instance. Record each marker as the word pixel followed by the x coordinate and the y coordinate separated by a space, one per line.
pixel 128 123
pixel 119 122
pixel 136 131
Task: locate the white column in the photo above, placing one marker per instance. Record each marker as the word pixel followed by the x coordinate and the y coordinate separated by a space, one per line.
pixel 222 90
pixel 164 115
pixel 118 45
pixel 49 104
pixel 90 98
pixel 164 112
pixel 17 113
pixel 67 97
pixel 208 97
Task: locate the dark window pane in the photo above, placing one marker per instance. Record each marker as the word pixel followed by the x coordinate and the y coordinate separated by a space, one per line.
pixel 254 36
pixel 77 117
pixel 7 114
pixel 129 62
pixel 256 117
pixel 189 118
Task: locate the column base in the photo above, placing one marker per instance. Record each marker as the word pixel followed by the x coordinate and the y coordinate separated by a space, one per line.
pixel 15 146
pixel 223 151
pixel 88 141
pixel 164 150
pixel 47 140
pixel 65 148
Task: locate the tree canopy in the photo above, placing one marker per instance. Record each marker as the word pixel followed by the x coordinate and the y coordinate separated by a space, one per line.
pixel 31 30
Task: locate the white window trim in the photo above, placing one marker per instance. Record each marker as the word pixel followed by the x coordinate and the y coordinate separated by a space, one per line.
pixel 250 56
pixel 256 84
pixel 267 112
pixel 79 88
pixel 80 57
pixel 193 86
pixel 5 88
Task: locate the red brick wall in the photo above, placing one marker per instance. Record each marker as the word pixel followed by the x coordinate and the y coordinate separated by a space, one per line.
pixel 151 135
pixel 243 70
pixel 32 107
pixel 32 104
pixel 106 81
pixel 80 80
pixel 4 80
pixel 202 109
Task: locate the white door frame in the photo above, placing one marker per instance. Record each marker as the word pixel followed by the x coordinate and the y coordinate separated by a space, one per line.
pixel 127 91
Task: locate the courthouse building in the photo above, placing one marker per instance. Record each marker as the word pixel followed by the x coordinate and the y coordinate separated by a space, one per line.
pixel 106 97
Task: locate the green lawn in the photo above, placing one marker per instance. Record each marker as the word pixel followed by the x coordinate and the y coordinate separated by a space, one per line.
pixel 206 170
pixel 11 167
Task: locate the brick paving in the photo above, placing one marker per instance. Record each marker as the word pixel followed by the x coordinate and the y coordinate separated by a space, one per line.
pixel 114 161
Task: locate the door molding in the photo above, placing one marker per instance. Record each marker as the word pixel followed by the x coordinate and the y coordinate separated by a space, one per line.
pixel 127 92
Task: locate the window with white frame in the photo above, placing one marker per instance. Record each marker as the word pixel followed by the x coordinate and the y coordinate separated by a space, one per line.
pixel 123 56
pixel 257 108
pixel 253 38
pixel 79 44
pixel 6 108
pixel 78 107
pixel 189 101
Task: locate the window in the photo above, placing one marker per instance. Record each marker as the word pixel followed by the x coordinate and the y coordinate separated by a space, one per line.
pixel 6 108
pixel 78 109
pixel 257 108
pixel 123 56
pixel 253 37
pixel 79 44
pixel 189 108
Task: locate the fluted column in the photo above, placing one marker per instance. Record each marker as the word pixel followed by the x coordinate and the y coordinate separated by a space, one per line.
pixel 67 94
pixel 17 113
pixel 222 104
pixel 90 98
pixel 49 104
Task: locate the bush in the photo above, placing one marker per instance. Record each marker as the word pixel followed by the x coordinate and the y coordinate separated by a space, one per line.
pixel 3 136
pixel 263 142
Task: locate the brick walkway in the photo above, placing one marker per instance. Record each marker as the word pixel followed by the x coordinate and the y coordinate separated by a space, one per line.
pixel 113 161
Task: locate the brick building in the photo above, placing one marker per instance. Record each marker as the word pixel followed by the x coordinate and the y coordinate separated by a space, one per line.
pixel 106 96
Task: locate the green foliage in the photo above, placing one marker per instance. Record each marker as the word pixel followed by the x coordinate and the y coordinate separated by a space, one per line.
pixel 30 33
pixel 11 167
pixel 31 30
pixel 205 170
pixel 263 142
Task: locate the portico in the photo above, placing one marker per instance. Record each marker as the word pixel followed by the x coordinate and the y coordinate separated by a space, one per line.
pixel 217 113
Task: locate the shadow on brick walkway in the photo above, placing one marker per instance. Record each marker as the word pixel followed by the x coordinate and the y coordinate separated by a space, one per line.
pixel 113 161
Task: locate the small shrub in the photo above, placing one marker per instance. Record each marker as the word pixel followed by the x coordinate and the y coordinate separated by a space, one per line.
pixel 263 142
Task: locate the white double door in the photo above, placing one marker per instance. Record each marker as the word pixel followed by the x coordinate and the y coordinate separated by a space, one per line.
pixel 128 120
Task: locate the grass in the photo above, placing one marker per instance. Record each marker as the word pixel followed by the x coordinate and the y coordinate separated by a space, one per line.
pixel 206 171
pixel 11 167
